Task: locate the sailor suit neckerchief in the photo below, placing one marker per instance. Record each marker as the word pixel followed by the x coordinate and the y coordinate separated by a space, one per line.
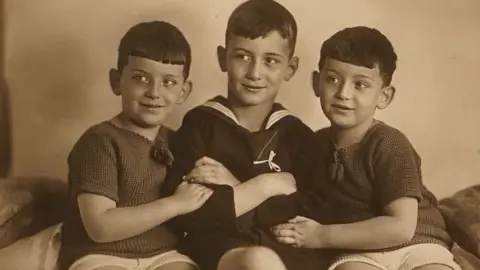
pixel 278 112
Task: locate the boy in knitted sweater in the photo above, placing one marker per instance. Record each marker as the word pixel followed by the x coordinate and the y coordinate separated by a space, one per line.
pixel 117 167
pixel 370 203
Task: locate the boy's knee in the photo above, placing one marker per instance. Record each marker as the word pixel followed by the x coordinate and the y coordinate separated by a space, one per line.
pixel 355 266
pixel 435 267
pixel 251 258
pixel 110 268
pixel 176 266
pixel 259 256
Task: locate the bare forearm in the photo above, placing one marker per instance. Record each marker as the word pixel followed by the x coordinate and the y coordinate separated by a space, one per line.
pixel 377 233
pixel 249 195
pixel 125 222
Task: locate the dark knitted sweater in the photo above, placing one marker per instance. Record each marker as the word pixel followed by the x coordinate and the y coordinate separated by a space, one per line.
pixel 355 183
pixel 124 167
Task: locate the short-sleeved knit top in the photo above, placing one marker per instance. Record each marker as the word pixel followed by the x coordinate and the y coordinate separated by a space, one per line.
pixel 355 183
pixel 125 167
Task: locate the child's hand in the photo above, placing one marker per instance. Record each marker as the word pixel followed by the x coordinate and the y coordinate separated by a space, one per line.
pixel 300 232
pixel 210 171
pixel 190 197
pixel 279 183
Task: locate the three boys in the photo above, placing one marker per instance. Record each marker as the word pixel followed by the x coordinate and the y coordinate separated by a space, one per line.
pixel 249 163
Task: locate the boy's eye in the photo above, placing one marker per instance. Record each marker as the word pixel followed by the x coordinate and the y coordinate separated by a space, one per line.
pixel 360 85
pixel 331 79
pixel 141 78
pixel 272 61
pixel 169 82
pixel 243 57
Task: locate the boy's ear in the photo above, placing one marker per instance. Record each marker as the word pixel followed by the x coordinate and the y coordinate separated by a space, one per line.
pixel 386 97
pixel 114 76
pixel 222 58
pixel 292 68
pixel 186 90
pixel 315 81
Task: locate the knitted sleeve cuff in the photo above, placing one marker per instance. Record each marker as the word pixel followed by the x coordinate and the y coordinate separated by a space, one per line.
pixel 387 198
pixel 110 193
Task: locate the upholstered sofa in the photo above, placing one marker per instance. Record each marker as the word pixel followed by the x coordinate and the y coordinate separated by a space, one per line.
pixel 31 209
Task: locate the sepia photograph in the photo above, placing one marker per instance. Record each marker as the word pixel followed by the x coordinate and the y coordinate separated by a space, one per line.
pixel 239 135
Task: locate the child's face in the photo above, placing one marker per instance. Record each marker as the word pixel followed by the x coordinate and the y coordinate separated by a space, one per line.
pixel 257 67
pixel 350 94
pixel 150 89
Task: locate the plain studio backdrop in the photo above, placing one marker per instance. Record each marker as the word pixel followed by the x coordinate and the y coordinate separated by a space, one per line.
pixel 58 53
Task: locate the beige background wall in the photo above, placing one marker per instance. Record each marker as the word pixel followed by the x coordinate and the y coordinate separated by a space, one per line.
pixel 58 54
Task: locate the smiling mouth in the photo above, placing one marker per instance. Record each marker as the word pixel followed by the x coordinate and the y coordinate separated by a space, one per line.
pixel 253 88
pixel 341 107
pixel 151 106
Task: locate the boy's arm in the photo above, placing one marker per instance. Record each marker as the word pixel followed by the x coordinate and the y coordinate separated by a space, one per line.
pixel 247 195
pixel 251 193
pixel 93 181
pixel 101 217
pixel 221 210
pixel 395 227
pixel 397 188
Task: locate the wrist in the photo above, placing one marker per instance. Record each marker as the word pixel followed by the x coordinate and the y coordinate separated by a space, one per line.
pixel 235 182
pixel 174 205
pixel 324 236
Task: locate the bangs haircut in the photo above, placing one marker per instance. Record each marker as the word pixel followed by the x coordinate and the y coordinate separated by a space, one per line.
pixel 258 18
pixel 361 46
pixel 158 41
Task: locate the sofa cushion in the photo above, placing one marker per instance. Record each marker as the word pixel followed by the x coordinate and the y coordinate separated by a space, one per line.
pixel 462 215
pixel 41 251
pixel 28 205
pixel 465 259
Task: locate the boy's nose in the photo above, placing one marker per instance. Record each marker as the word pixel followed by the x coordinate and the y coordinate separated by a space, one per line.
pixel 343 91
pixel 154 92
pixel 253 72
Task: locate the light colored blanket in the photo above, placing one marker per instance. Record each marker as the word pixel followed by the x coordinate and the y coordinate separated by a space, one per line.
pixel 37 252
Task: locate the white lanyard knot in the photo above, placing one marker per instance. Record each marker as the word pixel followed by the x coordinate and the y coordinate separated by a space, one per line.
pixel 270 162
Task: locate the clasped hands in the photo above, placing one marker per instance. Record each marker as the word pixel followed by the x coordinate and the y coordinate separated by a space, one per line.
pixel 298 232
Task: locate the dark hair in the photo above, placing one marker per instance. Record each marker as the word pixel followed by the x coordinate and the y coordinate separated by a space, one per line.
pixel 257 18
pixel 156 40
pixel 361 46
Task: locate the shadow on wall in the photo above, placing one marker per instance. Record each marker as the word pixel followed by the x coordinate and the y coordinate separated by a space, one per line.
pixel 5 125
pixel 5 129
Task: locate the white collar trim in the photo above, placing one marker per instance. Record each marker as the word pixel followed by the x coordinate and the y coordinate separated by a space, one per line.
pixel 274 117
